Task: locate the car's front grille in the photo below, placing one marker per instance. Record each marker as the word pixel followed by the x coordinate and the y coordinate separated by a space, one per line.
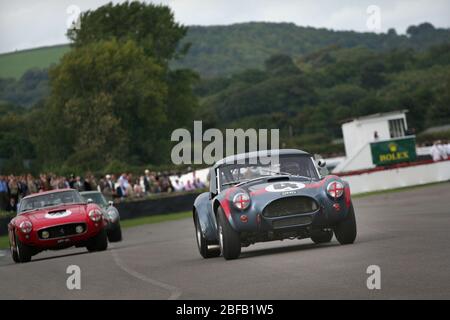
pixel 290 206
pixel 62 231
pixel 294 221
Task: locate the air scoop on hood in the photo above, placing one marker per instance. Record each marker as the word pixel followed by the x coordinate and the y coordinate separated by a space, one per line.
pixel 281 178
pixel 59 213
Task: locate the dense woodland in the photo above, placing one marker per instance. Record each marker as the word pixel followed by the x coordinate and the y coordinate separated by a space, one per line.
pixel 114 99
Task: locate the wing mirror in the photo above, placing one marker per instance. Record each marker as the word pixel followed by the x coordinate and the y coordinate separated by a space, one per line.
pixel 321 163
pixel 90 200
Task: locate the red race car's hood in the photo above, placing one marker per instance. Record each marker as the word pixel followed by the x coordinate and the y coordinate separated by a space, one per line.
pixel 58 215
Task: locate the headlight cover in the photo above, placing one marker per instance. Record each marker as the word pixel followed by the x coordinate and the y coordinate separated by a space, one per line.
pixel 241 201
pixel 95 215
pixel 335 189
pixel 113 214
pixel 26 227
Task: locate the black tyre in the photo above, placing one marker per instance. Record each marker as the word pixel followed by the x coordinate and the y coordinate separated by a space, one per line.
pixel 99 242
pixel 13 250
pixel 115 234
pixel 345 231
pixel 322 236
pixel 202 243
pixel 230 242
pixel 23 253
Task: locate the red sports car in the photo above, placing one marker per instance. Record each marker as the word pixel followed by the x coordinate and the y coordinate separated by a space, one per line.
pixel 55 220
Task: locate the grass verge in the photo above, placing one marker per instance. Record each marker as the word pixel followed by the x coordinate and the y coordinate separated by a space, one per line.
pixel 4 242
pixel 155 219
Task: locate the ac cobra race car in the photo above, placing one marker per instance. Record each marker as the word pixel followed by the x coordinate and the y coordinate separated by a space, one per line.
pixel 56 220
pixel 253 198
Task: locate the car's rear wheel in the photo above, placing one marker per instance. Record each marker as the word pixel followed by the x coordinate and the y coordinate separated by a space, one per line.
pixel 202 242
pixel 230 242
pixel 345 231
pixel 23 252
pixel 115 234
pixel 322 236
pixel 99 242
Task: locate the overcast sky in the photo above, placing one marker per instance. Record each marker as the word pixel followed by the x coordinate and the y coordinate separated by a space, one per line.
pixel 30 23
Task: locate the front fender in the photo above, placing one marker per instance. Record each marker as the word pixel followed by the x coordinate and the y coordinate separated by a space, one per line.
pixel 204 210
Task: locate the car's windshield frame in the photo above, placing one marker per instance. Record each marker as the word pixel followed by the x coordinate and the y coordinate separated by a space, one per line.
pixel 93 196
pixel 60 196
pixel 313 173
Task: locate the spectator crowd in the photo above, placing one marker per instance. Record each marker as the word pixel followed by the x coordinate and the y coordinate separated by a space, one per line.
pixel 440 150
pixel 13 188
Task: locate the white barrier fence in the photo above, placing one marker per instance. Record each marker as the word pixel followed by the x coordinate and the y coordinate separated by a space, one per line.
pixel 399 177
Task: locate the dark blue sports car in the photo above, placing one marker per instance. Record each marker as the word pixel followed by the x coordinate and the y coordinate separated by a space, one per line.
pixel 254 199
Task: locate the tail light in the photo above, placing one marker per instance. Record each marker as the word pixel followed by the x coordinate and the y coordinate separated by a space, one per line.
pixel 241 201
pixel 335 189
pixel 95 215
pixel 26 227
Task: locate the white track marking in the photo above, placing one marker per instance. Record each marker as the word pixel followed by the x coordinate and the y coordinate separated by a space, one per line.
pixel 175 292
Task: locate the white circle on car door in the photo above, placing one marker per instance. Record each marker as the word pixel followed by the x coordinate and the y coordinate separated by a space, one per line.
pixel 285 186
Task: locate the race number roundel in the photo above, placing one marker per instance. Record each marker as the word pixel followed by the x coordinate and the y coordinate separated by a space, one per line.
pixel 284 186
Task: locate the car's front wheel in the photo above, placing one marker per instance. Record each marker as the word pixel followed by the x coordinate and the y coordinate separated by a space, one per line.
pixel 202 242
pixel 345 231
pixel 115 234
pixel 230 242
pixel 23 253
pixel 322 236
pixel 99 242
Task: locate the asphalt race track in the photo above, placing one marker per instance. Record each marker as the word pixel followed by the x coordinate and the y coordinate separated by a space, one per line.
pixel 405 233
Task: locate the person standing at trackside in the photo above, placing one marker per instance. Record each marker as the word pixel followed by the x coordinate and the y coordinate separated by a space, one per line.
pixel 438 151
pixel 107 187
pixel 13 187
pixel 447 147
pixel 376 137
pixel 4 193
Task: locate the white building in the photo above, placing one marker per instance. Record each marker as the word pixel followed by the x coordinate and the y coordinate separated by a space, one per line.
pixel 360 132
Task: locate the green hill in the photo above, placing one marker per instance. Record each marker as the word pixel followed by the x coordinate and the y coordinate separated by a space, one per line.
pixel 15 64
pixel 224 50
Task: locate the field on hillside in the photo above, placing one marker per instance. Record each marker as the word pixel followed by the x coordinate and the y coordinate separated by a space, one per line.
pixel 14 64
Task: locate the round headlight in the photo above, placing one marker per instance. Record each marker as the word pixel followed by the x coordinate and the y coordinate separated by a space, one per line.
pixel 26 226
pixel 45 234
pixel 241 201
pixel 113 215
pixel 335 189
pixel 95 215
pixel 79 229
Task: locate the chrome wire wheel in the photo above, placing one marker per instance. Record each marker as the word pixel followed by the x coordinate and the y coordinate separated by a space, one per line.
pixel 198 234
pixel 17 250
pixel 221 238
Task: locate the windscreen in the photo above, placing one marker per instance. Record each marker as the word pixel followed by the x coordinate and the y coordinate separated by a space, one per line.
pixel 295 165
